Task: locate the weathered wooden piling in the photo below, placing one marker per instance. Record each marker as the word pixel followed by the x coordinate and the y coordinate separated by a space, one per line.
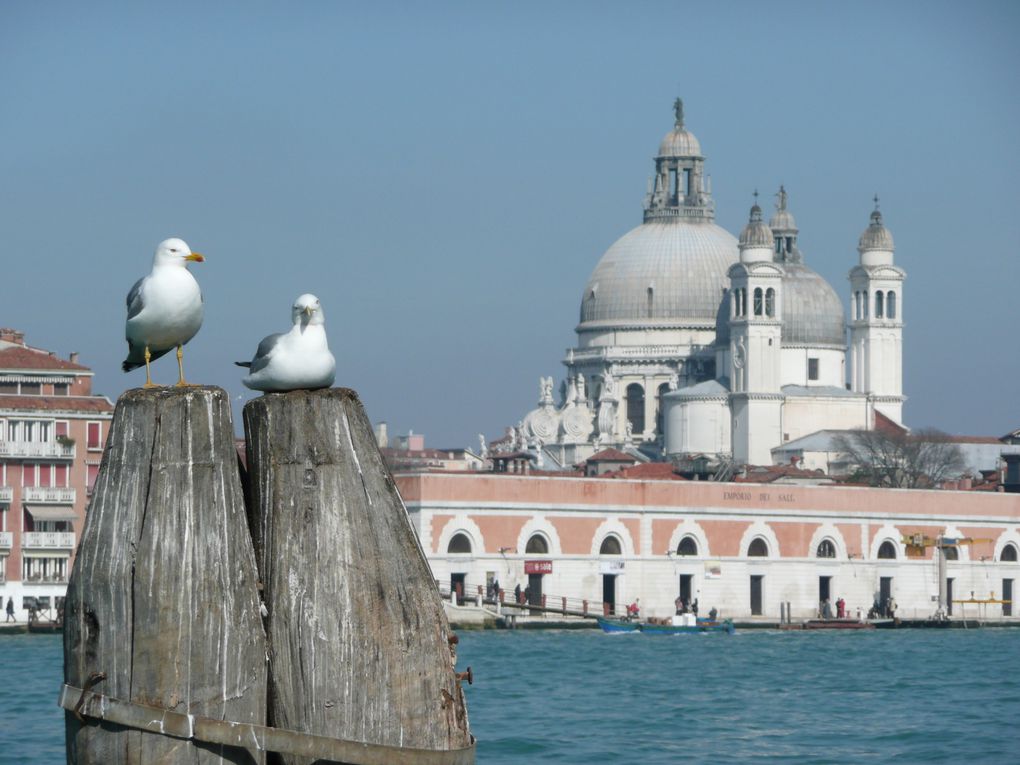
pixel 359 643
pixel 163 597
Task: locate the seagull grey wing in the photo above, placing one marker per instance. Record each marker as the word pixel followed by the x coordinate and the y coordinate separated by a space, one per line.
pixel 264 351
pixel 134 299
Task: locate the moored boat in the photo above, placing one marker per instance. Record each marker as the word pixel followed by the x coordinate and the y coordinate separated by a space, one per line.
pixel 829 624
pixel 617 625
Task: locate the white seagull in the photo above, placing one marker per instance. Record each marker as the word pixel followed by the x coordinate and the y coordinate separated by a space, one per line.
pixel 295 360
pixel 164 309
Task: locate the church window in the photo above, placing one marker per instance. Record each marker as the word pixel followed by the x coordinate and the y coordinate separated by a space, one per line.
pixel 770 302
pixel 887 551
pixel 812 369
pixel 864 304
pixel 460 543
pixel 537 545
pixel 636 408
pixel 758 548
pixel 610 546
pixel 687 182
pixel 743 301
pixel 879 305
pixel 688 546
pixel 673 185
pixel 951 553
pixel 1008 554
pixel 857 304
pixel 826 549
pixel 757 301
pixel 890 305
pixel 651 295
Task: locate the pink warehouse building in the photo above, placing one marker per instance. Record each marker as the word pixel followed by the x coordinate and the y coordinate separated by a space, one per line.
pixel 52 433
pixel 744 548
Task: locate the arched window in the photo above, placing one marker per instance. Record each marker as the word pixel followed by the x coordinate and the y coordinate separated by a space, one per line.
pixel 610 546
pixel 857 304
pixel 879 305
pixel 826 549
pixel 890 305
pixel 460 543
pixel 887 550
pixel 537 545
pixel 688 546
pixel 951 553
pixel 757 301
pixel 651 297
pixel 1008 554
pixel 636 408
pixel 743 301
pixel 864 303
pixel 758 549
pixel 770 302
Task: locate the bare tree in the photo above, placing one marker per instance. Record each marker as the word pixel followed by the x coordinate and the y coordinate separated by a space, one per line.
pixel 901 460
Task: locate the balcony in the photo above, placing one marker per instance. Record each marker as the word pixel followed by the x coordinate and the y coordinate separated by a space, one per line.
pixel 47 540
pixel 46 579
pixel 6 542
pixel 36 450
pixel 41 495
pixel 6 495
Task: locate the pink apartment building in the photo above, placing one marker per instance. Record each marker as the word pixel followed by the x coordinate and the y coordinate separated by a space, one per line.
pixel 745 548
pixel 52 433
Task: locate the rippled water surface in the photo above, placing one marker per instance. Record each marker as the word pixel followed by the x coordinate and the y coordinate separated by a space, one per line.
pixel 583 697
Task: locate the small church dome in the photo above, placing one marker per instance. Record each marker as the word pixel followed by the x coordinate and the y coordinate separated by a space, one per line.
pixel 876 236
pixel 756 233
pixel 812 311
pixel 679 143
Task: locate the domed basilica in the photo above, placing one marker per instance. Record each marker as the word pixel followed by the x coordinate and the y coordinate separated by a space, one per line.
pixel 695 344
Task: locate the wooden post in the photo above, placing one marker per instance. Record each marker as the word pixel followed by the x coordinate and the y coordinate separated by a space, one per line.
pixel 163 597
pixel 358 637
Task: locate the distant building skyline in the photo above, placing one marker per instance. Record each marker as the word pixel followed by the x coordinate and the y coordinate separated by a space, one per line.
pixel 446 178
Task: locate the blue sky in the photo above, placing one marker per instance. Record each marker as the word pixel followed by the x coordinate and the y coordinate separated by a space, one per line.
pixel 445 176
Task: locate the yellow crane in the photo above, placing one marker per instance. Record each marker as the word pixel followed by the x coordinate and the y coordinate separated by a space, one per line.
pixel 917 546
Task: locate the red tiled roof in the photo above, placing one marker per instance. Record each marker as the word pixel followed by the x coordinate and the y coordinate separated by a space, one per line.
pixel 26 358
pixel 886 425
pixel 974 440
pixel 654 471
pixel 57 403
pixel 611 455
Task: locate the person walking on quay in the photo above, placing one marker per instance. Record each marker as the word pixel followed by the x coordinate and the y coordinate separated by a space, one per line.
pixel 517 593
pixel 10 610
pixel 679 603
pixel 527 594
pixel 694 607
pixel 840 608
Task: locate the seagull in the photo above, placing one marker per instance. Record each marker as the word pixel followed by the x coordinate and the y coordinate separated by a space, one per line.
pixel 164 309
pixel 295 360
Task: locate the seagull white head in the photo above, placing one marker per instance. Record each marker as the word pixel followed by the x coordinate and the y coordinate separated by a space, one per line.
pixel 307 310
pixel 175 252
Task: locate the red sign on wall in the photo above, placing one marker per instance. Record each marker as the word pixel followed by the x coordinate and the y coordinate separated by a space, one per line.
pixel 538 567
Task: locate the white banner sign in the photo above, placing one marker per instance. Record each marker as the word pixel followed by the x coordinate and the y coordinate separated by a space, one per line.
pixel 611 567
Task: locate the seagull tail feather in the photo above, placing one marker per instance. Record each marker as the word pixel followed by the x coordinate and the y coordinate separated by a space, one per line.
pixel 243 364
pixel 136 357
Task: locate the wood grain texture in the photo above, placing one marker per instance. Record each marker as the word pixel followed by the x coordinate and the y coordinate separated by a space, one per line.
pixel 357 633
pixel 163 596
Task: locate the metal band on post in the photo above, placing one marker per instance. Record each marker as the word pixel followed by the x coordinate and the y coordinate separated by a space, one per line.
pixel 254 737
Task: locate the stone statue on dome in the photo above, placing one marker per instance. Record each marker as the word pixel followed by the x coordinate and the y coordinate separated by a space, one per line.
pixel 483 446
pixel 582 394
pixel 678 110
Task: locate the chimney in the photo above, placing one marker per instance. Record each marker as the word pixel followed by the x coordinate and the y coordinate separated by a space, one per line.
pixel 73 358
pixel 9 335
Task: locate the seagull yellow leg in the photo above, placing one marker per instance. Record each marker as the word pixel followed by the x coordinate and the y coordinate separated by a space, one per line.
pixel 148 376
pixel 180 366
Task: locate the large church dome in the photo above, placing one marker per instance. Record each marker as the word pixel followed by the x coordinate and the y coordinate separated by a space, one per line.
pixel 661 272
pixel 671 269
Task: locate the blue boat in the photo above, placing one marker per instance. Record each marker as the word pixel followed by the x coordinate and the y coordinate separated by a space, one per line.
pixel 617 625
pixel 702 625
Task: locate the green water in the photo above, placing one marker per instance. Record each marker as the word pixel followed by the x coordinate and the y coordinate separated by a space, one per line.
pixel 911 696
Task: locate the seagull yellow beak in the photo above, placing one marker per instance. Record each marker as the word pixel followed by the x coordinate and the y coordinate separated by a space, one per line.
pixel 309 310
pixel 195 256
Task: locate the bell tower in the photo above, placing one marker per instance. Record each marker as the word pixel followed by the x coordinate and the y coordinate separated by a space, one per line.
pixel 876 320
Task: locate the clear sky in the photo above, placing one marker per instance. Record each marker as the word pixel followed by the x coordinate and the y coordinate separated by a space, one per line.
pixel 445 176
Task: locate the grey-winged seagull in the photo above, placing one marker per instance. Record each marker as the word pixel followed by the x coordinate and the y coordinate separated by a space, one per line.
pixel 164 309
pixel 295 360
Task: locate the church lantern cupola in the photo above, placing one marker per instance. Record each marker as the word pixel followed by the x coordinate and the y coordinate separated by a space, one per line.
pixel 784 228
pixel 680 188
